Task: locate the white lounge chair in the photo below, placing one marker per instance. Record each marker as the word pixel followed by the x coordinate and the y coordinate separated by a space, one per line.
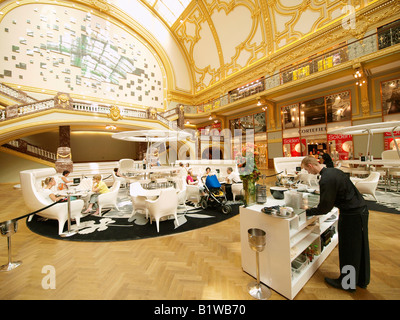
pixel 367 185
pixel 110 198
pixel 30 186
pixel 165 205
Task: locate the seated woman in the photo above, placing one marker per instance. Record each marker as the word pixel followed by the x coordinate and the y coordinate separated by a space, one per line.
pixel 208 172
pixel 47 193
pixel 190 179
pixel 99 187
pixel 64 178
pixel 116 171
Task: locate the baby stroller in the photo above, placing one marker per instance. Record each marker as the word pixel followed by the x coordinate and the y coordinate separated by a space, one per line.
pixel 214 195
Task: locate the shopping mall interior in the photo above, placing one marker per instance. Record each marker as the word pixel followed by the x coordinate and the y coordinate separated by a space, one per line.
pixel 286 73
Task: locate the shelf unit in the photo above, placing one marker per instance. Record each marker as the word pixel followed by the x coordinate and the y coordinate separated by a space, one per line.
pixel 286 240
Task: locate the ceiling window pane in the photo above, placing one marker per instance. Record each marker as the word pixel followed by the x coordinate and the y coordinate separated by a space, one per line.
pixel 169 10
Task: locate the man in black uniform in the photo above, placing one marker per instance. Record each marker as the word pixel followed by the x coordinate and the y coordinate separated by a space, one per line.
pixel 327 160
pixel 336 190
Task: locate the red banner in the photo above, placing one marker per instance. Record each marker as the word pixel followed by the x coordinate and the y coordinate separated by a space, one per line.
pixel 343 145
pixel 293 146
pixel 389 134
pixel 389 143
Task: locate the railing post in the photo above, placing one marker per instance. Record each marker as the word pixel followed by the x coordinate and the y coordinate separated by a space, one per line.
pixel 181 116
pixel 12 111
pixel 63 100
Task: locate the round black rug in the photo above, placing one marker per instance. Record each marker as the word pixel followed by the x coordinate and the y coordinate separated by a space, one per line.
pixel 110 227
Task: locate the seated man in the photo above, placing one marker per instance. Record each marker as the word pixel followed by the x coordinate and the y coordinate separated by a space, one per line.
pixel 233 177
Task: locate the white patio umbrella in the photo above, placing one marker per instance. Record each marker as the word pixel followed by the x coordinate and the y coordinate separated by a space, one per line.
pixel 370 128
pixel 151 136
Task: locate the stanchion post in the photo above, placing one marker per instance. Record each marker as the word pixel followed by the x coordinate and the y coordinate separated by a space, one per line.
pixel 8 228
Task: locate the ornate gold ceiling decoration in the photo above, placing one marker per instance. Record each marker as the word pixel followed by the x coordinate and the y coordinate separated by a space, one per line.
pixel 246 31
pixel 100 5
pixel 319 39
pixel 237 33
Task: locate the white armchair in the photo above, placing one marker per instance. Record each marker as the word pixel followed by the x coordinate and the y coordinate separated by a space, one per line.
pixel 136 192
pixel 193 193
pixel 165 205
pixel 116 178
pixel 109 198
pixel 237 190
pixel 367 185
pixel 182 198
pixel 126 165
pixel 31 184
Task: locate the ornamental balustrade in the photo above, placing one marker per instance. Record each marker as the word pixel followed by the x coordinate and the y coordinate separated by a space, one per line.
pixel 62 101
pixel 30 149
pixel 15 94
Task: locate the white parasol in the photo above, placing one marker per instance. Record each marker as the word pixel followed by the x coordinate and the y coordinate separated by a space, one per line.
pixel 370 128
pixel 151 136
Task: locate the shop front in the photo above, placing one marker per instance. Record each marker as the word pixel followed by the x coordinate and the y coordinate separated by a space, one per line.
pixel 305 125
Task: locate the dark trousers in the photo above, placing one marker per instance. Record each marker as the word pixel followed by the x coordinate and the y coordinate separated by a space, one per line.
pixel 228 191
pixel 354 244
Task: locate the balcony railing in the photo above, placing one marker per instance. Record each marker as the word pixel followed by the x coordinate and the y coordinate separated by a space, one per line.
pixel 31 150
pixel 15 94
pixel 38 106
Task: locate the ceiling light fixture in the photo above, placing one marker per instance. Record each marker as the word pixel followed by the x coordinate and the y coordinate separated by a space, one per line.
pixel 357 74
pixel 360 76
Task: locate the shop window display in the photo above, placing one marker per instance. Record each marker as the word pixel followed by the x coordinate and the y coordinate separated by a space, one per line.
pixel 261 150
pixel 340 146
pixel 312 112
pixel 390 91
pixel 234 124
pixel 290 115
pixel 259 123
pixel 246 123
pixel 338 107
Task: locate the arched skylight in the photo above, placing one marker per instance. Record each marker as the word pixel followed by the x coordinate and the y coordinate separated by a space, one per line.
pixel 169 10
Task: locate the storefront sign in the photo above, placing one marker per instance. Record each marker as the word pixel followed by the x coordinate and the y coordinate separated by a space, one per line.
pixel 312 130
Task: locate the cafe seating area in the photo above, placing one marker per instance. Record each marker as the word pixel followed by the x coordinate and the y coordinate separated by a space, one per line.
pixel 388 168
pixel 156 192
pixel 31 183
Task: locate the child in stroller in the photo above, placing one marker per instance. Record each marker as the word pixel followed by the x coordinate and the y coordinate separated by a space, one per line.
pixel 214 196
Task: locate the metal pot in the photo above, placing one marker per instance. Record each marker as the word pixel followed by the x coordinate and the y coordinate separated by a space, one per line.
pixel 277 192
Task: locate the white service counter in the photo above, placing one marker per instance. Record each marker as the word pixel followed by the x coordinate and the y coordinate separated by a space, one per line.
pixel 286 240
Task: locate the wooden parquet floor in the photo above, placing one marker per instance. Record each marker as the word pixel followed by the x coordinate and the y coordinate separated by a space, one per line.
pixel 200 264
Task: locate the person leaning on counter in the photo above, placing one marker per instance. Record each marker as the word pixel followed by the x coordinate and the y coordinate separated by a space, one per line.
pixel 336 190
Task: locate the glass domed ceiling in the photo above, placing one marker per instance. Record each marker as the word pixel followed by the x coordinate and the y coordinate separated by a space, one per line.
pixel 169 10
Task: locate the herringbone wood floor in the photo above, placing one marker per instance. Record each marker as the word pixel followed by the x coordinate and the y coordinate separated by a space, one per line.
pixel 200 264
